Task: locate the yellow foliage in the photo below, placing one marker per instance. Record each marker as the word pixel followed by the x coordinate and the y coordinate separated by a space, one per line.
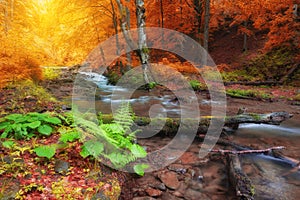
pixel 18 67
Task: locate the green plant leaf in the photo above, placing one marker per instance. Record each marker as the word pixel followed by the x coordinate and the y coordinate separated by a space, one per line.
pixel 45 129
pixel 84 152
pixel 140 169
pixel 95 148
pixel 138 151
pixel 33 125
pixel 8 144
pixel 45 151
pixel 69 136
pixel 16 117
pixel 3 125
pixel 52 120
pixel 6 132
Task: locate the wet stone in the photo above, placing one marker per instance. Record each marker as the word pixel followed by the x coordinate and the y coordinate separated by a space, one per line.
pixel 178 168
pixel 170 180
pixel 178 194
pixel 61 167
pixel 160 186
pixel 191 194
pixel 182 188
pixel 168 196
pixel 195 185
pixel 146 180
pixel 153 192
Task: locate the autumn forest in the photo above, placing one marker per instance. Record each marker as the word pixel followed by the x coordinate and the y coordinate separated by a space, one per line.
pixel 74 129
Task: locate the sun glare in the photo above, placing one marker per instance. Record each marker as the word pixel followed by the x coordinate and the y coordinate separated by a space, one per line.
pixel 43 2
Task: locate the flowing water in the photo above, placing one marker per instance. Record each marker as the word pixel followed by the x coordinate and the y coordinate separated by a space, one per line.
pixel 272 178
pixel 268 174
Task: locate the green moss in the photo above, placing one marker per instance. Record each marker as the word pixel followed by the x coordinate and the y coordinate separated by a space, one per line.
pixel 152 85
pixel 197 86
pixel 271 66
pixel 255 116
pixel 248 93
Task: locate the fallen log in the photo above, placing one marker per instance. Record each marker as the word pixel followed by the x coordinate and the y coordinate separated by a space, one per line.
pixel 240 149
pixel 243 186
pixel 250 151
pixel 171 125
pixel 275 118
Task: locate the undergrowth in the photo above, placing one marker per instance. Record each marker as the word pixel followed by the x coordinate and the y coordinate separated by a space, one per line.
pixel 112 142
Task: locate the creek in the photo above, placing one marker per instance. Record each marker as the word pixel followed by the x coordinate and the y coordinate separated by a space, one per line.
pixel 268 174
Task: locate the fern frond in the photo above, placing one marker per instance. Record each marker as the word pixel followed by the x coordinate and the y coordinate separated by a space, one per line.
pixel 124 116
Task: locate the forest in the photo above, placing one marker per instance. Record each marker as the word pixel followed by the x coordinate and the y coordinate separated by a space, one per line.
pixel 145 100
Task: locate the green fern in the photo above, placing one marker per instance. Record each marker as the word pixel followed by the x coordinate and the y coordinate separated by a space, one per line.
pixel 117 138
pixel 124 117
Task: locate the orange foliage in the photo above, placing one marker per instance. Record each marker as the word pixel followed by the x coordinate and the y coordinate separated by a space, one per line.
pixel 18 67
pixel 63 32
pixel 274 16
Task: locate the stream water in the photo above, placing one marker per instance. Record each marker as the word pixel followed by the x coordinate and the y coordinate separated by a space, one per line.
pixel 269 175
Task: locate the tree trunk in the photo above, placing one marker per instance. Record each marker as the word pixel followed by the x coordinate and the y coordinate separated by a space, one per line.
pixel 115 22
pixel 142 49
pixel 206 24
pixel 142 39
pixel 245 45
pixel 241 182
pixel 128 54
pixel 171 124
pixel 162 20
pixel 198 9
pixel 206 31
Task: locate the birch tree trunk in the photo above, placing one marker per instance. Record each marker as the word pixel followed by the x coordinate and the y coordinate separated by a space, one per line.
pixel 142 48
pixel 142 39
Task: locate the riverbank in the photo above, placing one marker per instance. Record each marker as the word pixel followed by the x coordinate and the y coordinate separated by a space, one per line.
pixel 188 178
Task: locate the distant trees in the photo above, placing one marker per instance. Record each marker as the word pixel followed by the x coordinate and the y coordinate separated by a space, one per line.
pixel 63 32
pixel 274 16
